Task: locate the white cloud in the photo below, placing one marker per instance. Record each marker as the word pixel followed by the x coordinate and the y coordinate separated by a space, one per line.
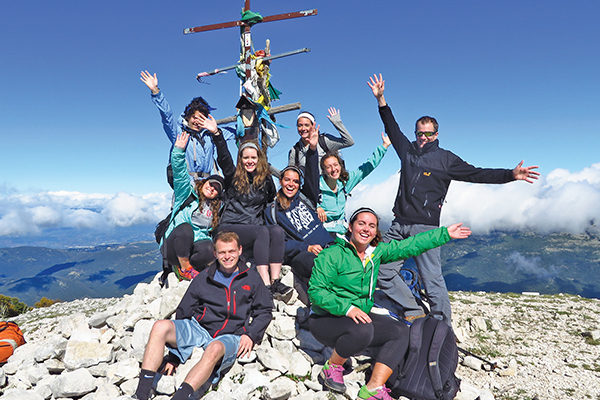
pixel 562 201
pixel 22 214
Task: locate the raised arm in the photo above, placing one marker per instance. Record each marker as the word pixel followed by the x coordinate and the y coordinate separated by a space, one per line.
pixel 366 168
pixel 150 80
pixel 181 179
pixel 527 174
pixel 223 155
pixel 310 188
pixel 398 139
pixel 166 114
pixel 345 139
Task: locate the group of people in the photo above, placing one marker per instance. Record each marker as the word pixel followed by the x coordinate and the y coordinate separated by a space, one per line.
pixel 231 232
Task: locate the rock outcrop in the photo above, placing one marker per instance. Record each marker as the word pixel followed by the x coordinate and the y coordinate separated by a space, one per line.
pixel 543 347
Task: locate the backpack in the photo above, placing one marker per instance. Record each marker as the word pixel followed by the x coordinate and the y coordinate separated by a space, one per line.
pixel 11 337
pixel 163 225
pixel 430 362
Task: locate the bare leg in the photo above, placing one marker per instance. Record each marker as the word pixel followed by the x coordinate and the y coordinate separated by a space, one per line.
pixel 162 332
pixel 275 271
pixel 380 375
pixel 336 359
pixel 263 271
pixel 200 372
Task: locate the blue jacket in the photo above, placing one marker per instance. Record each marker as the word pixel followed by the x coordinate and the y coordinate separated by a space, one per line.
pixel 199 153
pixel 334 203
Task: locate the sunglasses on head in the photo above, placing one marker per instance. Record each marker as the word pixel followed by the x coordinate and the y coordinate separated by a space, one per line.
pixel 428 134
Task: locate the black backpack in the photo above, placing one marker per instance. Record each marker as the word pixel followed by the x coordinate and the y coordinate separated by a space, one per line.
pixel 430 363
pixel 299 146
pixel 161 227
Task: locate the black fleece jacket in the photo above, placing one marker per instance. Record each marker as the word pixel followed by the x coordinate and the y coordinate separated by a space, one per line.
pixel 426 175
pixel 221 310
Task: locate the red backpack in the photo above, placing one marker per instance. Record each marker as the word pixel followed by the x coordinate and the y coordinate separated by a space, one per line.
pixel 11 337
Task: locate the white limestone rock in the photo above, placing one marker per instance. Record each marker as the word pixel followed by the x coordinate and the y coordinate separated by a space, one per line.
pixel 85 354
pixel 20 394
pixel 166 385
pixel 478 324
pixel 141 333
pixel 53 347
pixel 473 363
pixel 122 370
pixel 280 389
pixel 282 327
pixel 272 359
pixel 99 319
pixel 73 384
pixel 299 366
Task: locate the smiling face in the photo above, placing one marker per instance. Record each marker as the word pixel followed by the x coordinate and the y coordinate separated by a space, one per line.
pixel 305 127
pixel 422 140
pixel 227 253
pixel 209 191
pixel 290 183
pixel 249 159
pixel 363 230
pixel 332 167
pixel 194 121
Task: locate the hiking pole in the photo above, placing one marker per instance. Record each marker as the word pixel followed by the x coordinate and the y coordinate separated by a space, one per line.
pixel 493 365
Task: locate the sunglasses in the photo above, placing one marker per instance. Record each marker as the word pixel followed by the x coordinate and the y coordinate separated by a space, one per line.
pixel 428 134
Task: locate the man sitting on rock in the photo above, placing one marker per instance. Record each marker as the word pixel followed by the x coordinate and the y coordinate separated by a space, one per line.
pixel 215 314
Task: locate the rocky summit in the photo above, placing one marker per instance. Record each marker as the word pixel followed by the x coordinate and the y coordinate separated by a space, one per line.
pixel 532 346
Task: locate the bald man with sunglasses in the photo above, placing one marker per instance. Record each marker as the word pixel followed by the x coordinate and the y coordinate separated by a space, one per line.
pixel 427 171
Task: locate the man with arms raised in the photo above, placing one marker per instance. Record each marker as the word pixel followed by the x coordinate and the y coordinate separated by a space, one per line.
pixel 427 171
pixel 215 314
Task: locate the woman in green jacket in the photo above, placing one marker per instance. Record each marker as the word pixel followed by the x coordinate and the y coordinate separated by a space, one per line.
pixel 341 291
pixel 336 184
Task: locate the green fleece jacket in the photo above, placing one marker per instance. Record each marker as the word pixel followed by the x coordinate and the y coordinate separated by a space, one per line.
pixel 340 279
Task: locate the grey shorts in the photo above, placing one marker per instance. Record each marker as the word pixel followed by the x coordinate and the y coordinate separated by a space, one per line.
pixel 191 334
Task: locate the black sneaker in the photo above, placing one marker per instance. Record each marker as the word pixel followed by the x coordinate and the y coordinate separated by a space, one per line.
pixel 281 291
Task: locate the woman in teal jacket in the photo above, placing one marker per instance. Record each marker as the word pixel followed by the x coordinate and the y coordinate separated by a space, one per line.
pixel 187 243
pixel 341 291
pixel 336 184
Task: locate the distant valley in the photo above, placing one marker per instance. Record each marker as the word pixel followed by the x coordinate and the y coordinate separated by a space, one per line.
pixel 500 262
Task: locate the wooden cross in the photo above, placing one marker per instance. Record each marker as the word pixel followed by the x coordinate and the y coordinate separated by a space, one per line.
pixel 247 36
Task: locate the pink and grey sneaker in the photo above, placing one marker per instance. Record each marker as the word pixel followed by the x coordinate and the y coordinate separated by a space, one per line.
pixel 380 393
pixel 332 377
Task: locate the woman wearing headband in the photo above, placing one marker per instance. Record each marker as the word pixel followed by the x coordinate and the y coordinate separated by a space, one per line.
pixel 187 244
pixel 341 291
pixel 336 184
pixel 294 211
pixel 248 189
pixel 306 126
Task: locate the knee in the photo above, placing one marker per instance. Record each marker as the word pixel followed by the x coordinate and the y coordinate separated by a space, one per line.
pixel 214 351
pixel 363 333
pixel 162 329
pixel 277 232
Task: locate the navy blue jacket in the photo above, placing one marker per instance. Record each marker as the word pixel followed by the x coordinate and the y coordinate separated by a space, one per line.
pixel 300 222
pixel 426 175
pixel 222 310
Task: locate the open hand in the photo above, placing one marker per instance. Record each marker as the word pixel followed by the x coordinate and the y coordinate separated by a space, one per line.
pixel 182 140
pixel 150 80
pixel 332 112
pixel 208 123
pixel 457 231
pixel 377 85
pixel 358 316
pixel 526 174
pixel 246 345
pixel 169 369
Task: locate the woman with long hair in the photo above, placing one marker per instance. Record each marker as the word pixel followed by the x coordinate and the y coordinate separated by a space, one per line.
pixel 336 184
pixel 248 188
pixel 187 243
pixel 341 291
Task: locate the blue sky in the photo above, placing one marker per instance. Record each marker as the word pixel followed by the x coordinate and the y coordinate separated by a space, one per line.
pixel 506 80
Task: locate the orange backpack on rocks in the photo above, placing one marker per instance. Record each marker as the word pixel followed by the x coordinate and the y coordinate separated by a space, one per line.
pixel 11 337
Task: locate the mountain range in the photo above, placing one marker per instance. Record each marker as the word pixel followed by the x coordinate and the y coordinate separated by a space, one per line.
pixel 497 262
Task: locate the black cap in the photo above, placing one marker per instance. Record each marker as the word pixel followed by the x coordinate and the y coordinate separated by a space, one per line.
pixel 217 182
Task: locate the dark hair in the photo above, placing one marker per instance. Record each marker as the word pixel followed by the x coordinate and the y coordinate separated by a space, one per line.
pixel 343 173
pixel 240 177
pixel 227 237
pixel 355 214
pixel 425 120
pixel 282 199
pixel 197 104
pixel 213 204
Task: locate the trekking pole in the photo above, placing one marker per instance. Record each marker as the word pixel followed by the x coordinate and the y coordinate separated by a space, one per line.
pixel 493 365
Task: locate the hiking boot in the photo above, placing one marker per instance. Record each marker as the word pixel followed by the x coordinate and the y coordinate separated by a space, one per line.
pixel 411 318
pixel 380 393
pixel 281 291
pixel 332 377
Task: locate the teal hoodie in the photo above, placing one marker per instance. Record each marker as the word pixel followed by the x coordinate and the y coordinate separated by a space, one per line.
pixel 334 203
pixel 183 187
pixel 340 279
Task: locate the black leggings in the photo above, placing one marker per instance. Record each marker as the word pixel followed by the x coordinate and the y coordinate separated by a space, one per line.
pixel 265 242
pixel 180 243
pixel 349 338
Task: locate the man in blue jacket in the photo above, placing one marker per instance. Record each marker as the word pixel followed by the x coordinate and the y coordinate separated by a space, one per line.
pixel 199 153
pixel 427 171
pixel 225 310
